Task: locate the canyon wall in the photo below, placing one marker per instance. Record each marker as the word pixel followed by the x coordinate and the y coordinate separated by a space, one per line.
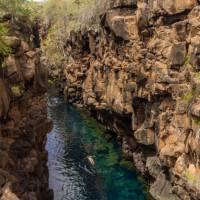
pixel 23 116
pixel 140 76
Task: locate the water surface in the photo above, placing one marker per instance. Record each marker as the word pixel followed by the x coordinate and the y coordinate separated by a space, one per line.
pixel 73 144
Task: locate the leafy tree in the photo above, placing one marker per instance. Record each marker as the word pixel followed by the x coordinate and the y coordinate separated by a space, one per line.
pixel 34 9
pixel 14 7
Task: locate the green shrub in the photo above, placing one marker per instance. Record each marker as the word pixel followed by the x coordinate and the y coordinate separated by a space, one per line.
pixel 189 96
pixel 4 48
pixel 196 121
pixel 187 60
pixel 127 164
pixel 4 51
pixel 50 82
pixel 111 159
pixel 191 178
pixel 18 9
pixel 16 90
pixel 197 75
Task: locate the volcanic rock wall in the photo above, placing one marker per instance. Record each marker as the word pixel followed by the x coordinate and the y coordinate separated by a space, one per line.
pixel 23 117
pixel 140 76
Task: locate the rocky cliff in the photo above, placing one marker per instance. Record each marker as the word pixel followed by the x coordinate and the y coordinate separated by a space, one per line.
pixel 23 116
pixel 140 76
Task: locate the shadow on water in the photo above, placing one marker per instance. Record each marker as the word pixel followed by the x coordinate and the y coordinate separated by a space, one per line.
pixel 75 142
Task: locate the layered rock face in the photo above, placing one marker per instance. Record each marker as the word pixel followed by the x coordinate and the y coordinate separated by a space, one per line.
pixel 23 118
pixel 140 76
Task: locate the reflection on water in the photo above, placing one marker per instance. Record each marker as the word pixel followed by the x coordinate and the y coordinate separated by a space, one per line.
pixel 72 173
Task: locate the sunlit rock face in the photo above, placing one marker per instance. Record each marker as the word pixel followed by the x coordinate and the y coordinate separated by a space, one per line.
pixel 174 7
pixel 23 120
pixel 140 76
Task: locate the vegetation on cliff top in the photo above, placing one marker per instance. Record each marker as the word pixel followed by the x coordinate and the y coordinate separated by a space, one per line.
pixel 63 17
pixel 74 14
pixel 14 10
pixel 15 7
pixel 66 16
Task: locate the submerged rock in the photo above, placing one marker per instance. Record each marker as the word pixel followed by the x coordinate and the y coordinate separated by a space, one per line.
pixel 91 160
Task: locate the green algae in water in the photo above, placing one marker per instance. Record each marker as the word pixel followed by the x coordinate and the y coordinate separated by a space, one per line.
pixel 111 159
pixel 127 164
pixel 75 137
pixel 117 171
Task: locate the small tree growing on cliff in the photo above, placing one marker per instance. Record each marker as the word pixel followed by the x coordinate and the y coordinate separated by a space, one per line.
pixel 14 7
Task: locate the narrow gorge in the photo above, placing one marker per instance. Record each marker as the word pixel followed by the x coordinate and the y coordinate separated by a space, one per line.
pixel 123 104
pixel 139 76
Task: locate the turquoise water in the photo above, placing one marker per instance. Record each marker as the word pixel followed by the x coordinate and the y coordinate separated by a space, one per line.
pixel 75 142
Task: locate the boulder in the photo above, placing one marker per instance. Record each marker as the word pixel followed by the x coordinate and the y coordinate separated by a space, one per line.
pixel 123 27
pixel 119 27
pixel 180 30
pixel 154 166
pixel 195 57
pixel 29 70
pixel 173 148
pixel 143 15
pixel 24 47
pixel 11 65
pixel 138 159
pixel 145 136
pixel 195 109
pixel 162 189
pixel 181 164
pixel 7 194
pixel 176 6
pixel 178 54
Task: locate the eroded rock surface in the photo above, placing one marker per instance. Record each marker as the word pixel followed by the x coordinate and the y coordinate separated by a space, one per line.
pixel 23 119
